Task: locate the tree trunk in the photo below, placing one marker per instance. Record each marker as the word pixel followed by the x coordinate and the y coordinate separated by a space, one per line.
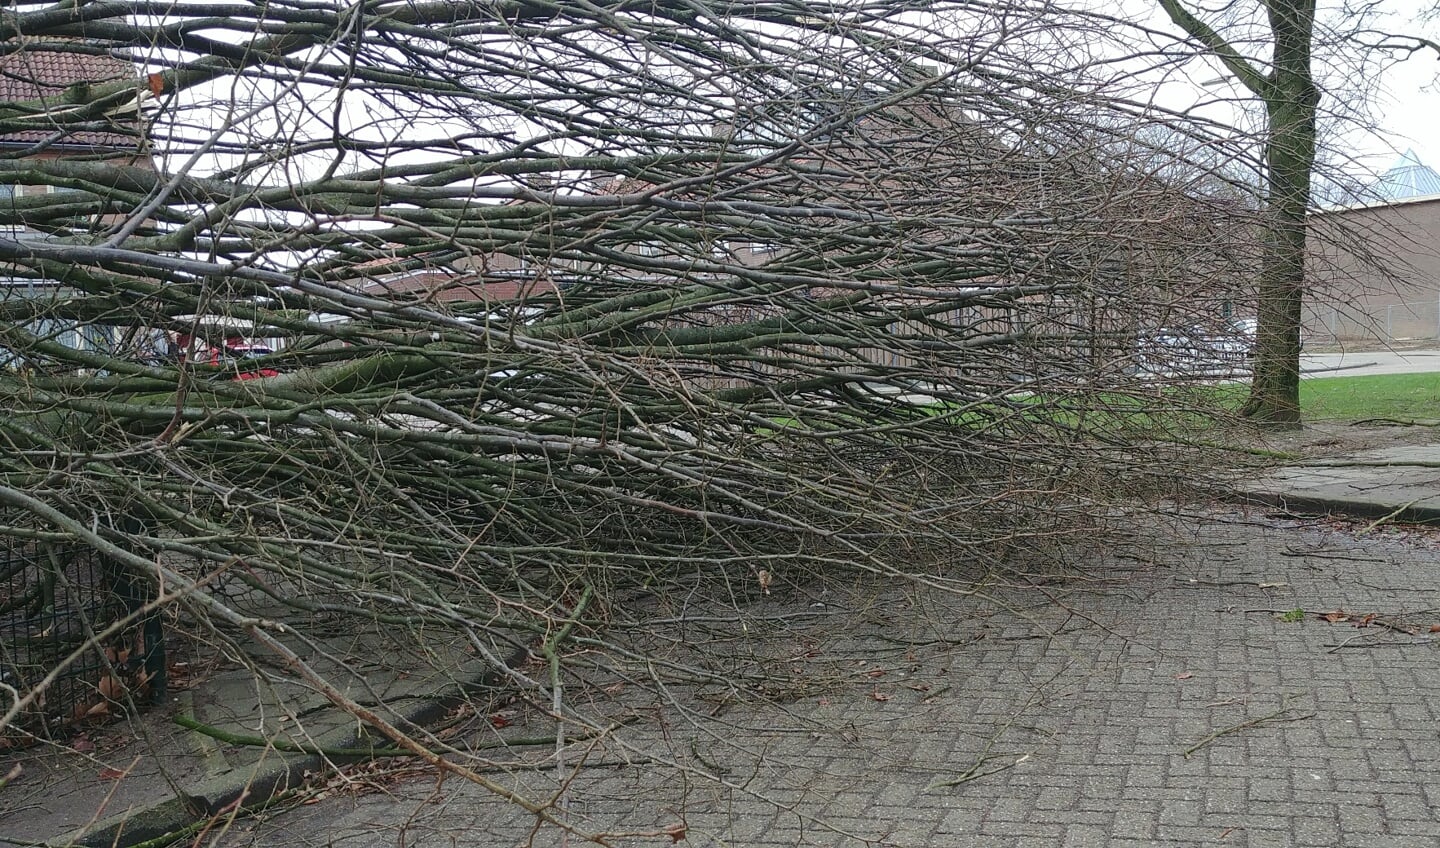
pixel 1290 107
pixel 1291 99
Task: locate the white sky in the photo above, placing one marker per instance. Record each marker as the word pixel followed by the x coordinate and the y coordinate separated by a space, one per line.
pixel 1410 115
pixel 1405 102
pixel 1407 107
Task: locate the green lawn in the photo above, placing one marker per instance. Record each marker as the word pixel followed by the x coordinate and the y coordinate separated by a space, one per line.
pixel 1191 410
pixel 1405 397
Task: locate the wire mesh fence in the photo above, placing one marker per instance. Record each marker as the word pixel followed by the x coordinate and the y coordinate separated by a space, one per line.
pixel 76 640
pixel 1411 320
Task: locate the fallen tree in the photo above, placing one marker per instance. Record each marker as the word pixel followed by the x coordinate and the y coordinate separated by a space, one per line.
pixel 565 305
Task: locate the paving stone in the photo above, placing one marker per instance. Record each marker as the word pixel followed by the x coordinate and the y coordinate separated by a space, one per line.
pixel 1361 820
pixel 1070 740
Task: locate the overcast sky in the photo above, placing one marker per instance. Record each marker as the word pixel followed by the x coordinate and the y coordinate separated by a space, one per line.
pixel 1403 103
pixel 1411 112
pixel 1406 103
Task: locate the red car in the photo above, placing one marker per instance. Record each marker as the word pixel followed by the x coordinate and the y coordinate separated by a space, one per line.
pixel 241 352
pixel 236 352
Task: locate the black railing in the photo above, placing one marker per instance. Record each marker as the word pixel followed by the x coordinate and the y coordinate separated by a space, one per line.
pixel 77 639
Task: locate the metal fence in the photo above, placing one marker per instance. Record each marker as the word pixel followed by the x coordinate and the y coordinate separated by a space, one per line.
pixel 75 639
pixel 1414 320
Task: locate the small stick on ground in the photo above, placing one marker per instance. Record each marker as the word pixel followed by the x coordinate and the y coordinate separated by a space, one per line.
pixel 975 773
pixel 1277 716
pixel 1387 517
pixel 287 747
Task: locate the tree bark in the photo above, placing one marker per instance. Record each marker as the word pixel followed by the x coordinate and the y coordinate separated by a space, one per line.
pixel 1289 158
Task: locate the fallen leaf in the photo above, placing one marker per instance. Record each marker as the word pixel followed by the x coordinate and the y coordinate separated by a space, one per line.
pixel 1435 628
pixel 83 744
pixel 1365 622
pixel 676 832
pixel 1336 616
pixel 498 720
pixel 880 696
pixel 1184 675
pixel 111 687
pixel 111 774
pixel 875 672
pixel 157 84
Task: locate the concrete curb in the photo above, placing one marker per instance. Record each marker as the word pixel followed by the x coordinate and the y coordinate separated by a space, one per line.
pixel 1396 483
pixel 1353 507
pixel 254 786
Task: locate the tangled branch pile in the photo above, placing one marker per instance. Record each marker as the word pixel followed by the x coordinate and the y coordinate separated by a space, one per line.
pixel 439 314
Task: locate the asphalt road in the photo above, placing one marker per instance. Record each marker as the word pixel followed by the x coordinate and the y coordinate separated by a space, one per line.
pixel 1370 362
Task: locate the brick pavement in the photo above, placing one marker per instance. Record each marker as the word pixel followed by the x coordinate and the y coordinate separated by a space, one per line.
pixel 1047 716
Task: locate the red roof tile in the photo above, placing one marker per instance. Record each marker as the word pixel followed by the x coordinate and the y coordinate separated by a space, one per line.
pixel 43 74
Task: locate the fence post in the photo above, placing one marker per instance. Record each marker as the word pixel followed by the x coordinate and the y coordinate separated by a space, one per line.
pixel 134 593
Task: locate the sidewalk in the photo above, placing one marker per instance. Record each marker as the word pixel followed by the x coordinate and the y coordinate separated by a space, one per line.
pixel 1245 681
pixel 1397 483
pixel 151 776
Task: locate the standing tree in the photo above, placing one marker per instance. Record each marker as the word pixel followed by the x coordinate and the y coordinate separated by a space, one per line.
pixel 1285 84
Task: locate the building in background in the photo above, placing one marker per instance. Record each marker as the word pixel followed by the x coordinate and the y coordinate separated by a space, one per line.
pixel 1375 261
pixel 42 84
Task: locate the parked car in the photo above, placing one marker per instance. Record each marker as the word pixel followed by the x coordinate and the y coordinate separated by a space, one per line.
pixel 1198 352
pixel 1239 333
pixel 236 354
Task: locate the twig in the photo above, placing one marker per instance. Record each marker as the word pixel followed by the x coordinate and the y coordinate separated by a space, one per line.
pixel 1324 555
pixel 1388 625
pixel 200 826
pixel 9 776
pixel 1389 516
pixel 1222 583
pixel 1277 716
pixel 282 745
pixel 715 768
pixel 1371 463
pixel 1373 643
pixel 1337 646
pixel 551 650
pixel 1403 422
pixel 974 773
pixel 287 747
